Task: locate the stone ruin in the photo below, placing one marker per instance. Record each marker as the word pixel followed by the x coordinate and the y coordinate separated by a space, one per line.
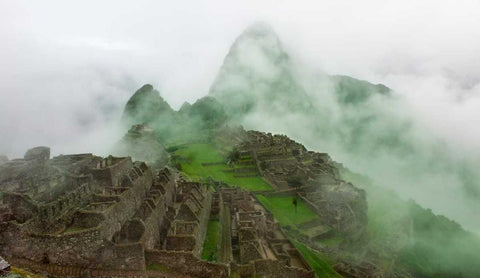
pixel 293 170
pixel 83 215
pixel 251 241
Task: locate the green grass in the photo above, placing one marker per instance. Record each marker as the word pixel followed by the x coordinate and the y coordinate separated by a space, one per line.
pixel 319 263
pixel 196 154
pixel 210 250
pixel 284 211
pixel 158 267
pixel 25 273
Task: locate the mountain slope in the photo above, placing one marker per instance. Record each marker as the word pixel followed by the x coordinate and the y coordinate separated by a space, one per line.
pixel 145 106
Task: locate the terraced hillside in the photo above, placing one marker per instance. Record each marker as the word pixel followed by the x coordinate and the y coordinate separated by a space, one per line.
pixel 203 161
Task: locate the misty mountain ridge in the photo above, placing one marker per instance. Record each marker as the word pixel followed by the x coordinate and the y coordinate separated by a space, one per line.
pixel 352 119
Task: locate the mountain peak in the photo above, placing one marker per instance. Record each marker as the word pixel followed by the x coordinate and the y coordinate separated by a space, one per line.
pixel 145 88
pixel 259 29
pixel 259 37
pixel 257 72
pixel 146 105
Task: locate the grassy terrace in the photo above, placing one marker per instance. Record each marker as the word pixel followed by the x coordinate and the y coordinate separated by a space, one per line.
pixel 319 263
pixel 283 210
pixel 191 158
pixel 194 155
pixel 210 251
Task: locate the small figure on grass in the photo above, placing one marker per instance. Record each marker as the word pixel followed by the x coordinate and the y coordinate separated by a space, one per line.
pixel 295 203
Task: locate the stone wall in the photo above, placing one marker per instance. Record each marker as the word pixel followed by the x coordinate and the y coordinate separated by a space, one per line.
pixel 110 175
pixel 130 202
pixel 78 197
pixel 21 206
pixel 188 229
pixel 76 248
pixel 187 263
pixel 90 233
pixel 153 225
pixel 127 256
pixel 270 268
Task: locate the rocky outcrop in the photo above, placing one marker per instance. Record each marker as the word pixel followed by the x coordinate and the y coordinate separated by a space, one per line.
pixel 191 122
pixel 141 144
pixel 38 153
pixel 207 112
pixel 146 106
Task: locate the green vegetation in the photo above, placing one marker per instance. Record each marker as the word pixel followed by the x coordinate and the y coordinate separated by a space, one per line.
pixel 233 157
pixel 25 273
pixel 210 246
pixel 74 229
pixel 192 156
pixel 333 241
pixel 440 247
pixel 199 153
pixel 158 267
pixel 319 263
pixel 284 211
pixel 435 246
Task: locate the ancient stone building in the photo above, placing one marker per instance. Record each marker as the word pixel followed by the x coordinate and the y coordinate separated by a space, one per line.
pixel 252 242
pixel 86 216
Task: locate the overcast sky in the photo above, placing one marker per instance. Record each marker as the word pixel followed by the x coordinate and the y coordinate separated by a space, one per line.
pixel 67 68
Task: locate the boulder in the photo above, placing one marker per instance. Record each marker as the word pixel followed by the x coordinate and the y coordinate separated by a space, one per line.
pixel 38 153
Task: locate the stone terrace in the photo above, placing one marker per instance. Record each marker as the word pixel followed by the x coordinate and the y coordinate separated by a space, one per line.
pixel 290 167
pixel 114 217
pixel 257 245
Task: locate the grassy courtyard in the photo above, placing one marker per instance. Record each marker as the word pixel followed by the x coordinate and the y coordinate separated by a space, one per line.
pixel 283 210
pixel 193 155
pixel 210 250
